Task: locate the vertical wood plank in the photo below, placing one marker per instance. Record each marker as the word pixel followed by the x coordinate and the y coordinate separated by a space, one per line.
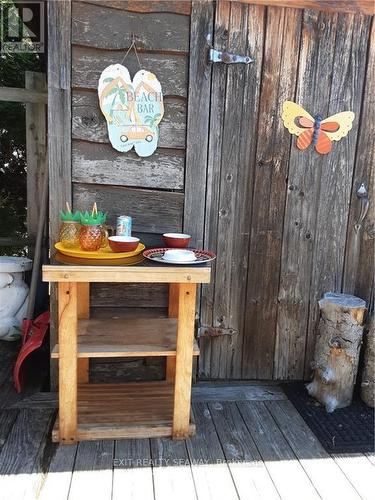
pixel 67 306
pixel 83 370
pixel 184 360
pixel 227 220
pixel 253 45
pixel 83 312
pixel 83 305
pixel 348 74
pixel 198 120
pixel 242 86
pixel 59 110
pixel 219 75
pixel 305 170
pixel 173 300
pixel 358 270
pixel 170 362
pixel 282 38
pixel 238 28
pixel 199 96
pixel 35 152
pixel 59 131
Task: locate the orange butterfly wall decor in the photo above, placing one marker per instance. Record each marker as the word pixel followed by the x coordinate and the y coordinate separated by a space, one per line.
pixel 317 131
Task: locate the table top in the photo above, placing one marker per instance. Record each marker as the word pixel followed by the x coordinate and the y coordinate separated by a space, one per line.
pixel 142 272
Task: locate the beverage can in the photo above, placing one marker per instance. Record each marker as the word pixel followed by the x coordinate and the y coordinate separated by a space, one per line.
pixel 123 225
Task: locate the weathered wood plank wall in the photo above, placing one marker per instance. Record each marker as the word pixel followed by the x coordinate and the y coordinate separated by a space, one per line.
pixel 59 148
pixel 281 221
pixel 150 189
pixel 280 218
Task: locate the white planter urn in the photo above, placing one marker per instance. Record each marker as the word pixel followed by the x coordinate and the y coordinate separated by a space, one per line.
pixel 14 294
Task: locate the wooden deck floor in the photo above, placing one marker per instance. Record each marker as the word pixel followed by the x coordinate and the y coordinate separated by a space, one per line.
pixel 251 444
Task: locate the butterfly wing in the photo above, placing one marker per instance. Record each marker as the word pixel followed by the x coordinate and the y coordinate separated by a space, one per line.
pixel 323 144
pixel 304 140
pixel 330 126
pixel 305 122
pixel 291 111
pixel 344 121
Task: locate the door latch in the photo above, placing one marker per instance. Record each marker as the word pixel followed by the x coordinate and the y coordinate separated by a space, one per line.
pixel 362 195
pixel 216 56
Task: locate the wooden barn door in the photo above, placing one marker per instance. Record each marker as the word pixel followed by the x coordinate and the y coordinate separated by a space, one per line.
pixel 279 219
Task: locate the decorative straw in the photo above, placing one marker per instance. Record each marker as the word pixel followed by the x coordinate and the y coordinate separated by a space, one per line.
pixel 94 210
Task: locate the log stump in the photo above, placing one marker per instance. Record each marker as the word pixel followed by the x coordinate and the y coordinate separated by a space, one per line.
pixel 337 347
pixel 367 383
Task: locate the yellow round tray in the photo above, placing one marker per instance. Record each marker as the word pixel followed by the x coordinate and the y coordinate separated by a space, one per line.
pixel 128 261
pixel 102 254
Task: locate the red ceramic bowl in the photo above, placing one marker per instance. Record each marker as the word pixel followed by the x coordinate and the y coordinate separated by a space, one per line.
pixel 176 240
pixel 123 243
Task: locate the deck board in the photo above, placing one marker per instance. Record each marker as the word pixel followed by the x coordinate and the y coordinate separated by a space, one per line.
pixel 132 471
pixel 283 466
pixel 21 458
pixel 7 419
pixel 251 444
pixel 171 469
pixel 359 471
pixel 324 473
pixel 249 473
pixel 58 480
pixel 93 471
pixel 212 477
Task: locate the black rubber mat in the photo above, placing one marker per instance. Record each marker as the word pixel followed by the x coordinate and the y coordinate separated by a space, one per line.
pixel 346 430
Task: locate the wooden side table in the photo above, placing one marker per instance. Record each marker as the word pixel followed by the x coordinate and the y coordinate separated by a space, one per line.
pixel 124 410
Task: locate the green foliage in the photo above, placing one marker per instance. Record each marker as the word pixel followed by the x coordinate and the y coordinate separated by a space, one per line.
pixel 13 164
pixel 152 121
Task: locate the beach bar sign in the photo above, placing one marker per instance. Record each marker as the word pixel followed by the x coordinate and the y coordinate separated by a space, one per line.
pixel 132 109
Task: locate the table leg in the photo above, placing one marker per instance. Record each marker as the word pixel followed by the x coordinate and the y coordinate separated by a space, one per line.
pixel 184 359
pixel 67 303
pixel 170 370
pixel 83 300
pixel 83 304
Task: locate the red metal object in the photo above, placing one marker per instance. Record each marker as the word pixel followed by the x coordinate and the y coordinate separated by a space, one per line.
pixel 33 333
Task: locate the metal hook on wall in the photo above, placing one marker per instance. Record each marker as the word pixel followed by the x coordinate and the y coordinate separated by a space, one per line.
pixel 362 195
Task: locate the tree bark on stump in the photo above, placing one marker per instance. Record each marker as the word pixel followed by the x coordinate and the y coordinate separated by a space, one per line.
pixel 337 349
pixel 367 383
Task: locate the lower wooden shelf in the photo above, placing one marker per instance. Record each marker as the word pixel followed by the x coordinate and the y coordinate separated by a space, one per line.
pixel 131 410
pixel 126 337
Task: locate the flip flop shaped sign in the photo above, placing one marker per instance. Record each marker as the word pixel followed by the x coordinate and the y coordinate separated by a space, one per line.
pixel 132 109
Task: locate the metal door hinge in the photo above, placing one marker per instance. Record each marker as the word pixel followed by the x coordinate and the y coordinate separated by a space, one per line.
pixel 216 56
pixel 211 331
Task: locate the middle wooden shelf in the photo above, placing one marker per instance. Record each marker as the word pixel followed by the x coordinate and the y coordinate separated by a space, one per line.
pixel 126 337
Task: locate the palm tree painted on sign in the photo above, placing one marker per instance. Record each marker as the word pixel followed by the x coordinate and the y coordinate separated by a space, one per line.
pixel 119 108
pixel 152 122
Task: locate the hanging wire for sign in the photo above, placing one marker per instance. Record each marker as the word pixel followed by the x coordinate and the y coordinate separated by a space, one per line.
pixel 132 46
